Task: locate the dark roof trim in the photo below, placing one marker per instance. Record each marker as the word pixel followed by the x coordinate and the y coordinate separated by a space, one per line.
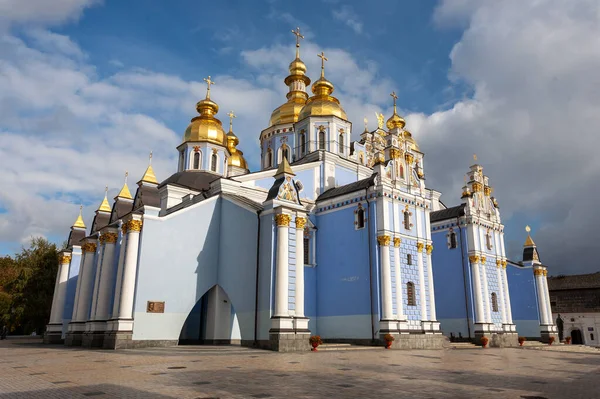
pixel 348 188
pixel 448 213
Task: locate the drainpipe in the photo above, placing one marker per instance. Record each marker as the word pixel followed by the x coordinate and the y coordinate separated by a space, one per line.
pixel 462 254
pixel 370 217
pixel 257 279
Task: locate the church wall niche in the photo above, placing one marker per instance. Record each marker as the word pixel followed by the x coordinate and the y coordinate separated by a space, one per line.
pixel 343 308
pixel 523 300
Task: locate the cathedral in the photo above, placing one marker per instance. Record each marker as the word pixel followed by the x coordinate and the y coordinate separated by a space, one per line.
pixel 332 237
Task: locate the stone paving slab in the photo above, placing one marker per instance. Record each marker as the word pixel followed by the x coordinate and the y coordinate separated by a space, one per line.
pixel 29 369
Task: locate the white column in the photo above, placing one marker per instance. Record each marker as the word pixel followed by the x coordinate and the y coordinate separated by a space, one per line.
pixel 96 276
pixel 541 297
pixel 387 311
pixel 399 285
pixel 479 315
pixel 422 289
pixel 501 290
pixel 106 274
pixel 432 315
pixel 282 265
pixel 507 294
pixel 60 289
pixel 547 297
pixel 125 309
pixel 120 269
pixel 486 293
pixel 84 294
pixel 300 223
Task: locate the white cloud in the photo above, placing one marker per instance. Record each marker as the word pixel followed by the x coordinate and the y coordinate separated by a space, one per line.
pixel 531 120
pixel 43 11
pixel 347 15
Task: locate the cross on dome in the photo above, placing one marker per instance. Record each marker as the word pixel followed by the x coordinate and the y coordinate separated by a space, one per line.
pixel 208 83
pixel 231 115
pixel 395 97
pixel 298 38
pixel 323 59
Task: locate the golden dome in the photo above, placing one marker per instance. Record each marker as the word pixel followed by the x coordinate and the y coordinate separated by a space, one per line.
pixel 395 121
pixel 296 97
pixel 206 127
pixel 236 157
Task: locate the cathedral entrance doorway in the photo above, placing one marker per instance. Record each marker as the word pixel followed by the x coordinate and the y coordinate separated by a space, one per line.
pixel 212 321
pixel 576 338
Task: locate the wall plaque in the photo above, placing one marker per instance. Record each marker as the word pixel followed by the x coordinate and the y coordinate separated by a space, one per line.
pixel 155 307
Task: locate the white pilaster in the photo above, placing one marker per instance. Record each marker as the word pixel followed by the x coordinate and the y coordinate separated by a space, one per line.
pixel 501 290
pixel 399 285
pixel 96 285
pixel 387 312
pixel 106 273
pixel 486 293
pixel 541 297
pixel 60 291
pixel 282 266
pixel 506 294
pixel 83 293
pixel 547 297
pixel 300 223
pixel 479 314
pixel 119 274
pixel 125 308
pixel 431 292
pixel 422 289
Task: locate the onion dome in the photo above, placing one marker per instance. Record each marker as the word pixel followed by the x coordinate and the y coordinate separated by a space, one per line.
pixel 322 103
pixel 105 206
pixel 205 127
pixel 296 97
pixel 395 121
pixel 236 157
pixel 79 222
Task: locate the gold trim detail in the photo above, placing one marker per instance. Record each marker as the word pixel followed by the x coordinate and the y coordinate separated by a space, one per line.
pixel 300 222
pixel 504 264
pixel 282 219
pixel 429 249
pixel 487 190
pixel 545 272
pixel 109 238
pixel 420 246
pixel 88 247
pixel 474 259
pixel 409 158
pixel 384 241
pixel 538 272
pixel 397 241
pixel 498 263
pixel 395 153
pixel 64 259
pixel 483 259
pixel 132 225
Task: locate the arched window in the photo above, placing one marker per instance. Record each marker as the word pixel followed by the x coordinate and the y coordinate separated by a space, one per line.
pixel 410 294
pixel 302 138
pixel 452 239
pixel 321 139
pixel 360 218
pixel 197 160
pixel 341 143
pixel 269 158
pixel 213 162
pixel 494 302
pixel 407 220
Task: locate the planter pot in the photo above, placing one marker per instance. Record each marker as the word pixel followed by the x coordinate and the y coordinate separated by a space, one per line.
pixel 314 347
pixel 520 343
pixel 388 344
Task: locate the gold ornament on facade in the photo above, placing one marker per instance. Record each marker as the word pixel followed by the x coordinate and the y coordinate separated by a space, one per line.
pixel 487 190
pixel 64 259
pixel 395 153
pixel 105 206
pixel 300 222
pixel 504 263
pixel 474 259
pixel 380 119
pixel 149 176
pixel 282 219
pixel 88 247
pixel 428 249
pixel 109 238
pixel 483 259
pixel 384 240
pixel 420 246
pixel 409 158
pixel 545 272
pixel 498 263
pixel 397 241
pixel 477 187
pixel 538 272
pixel 132 225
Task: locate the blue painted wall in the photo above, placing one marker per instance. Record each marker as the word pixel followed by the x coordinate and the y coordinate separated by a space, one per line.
pixel 71 285
pixel 523 300
pixel 344 176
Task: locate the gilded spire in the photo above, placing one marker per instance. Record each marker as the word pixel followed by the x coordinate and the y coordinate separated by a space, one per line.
pixel 125 193
pixel 323 59
pixel 231 115
pixel 79 222
pixel 298 37
pixel 529 241
pixel 284 167
pixel 105 206
pixel 395 121
pixel 149 176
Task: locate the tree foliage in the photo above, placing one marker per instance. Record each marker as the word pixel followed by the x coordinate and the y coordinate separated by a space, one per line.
pixel 27 286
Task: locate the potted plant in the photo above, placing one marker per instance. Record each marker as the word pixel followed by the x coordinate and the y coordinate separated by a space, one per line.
pixel 484 341
pixel 568 340
pixel 550 340
pixel 315 341
pixel 522 340
pixel 389 338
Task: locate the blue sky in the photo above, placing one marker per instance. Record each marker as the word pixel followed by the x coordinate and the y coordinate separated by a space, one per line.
pixel 88 88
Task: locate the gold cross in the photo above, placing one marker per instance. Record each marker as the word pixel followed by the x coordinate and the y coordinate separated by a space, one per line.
pixel 323 59
pixel 395 97
pixel 208 82
pixel 231 115
pixel 366 123
pixel 298 36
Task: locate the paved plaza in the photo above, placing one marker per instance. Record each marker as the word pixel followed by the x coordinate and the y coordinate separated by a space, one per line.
pixel 29 369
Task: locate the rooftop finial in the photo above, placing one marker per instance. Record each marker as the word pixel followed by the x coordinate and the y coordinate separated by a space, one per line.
pixel 125 193
pixel 527 229
pixel 395 97
pixel 104 206
pixel 475 157
pixel 79 222
pixel 323 59
pixel 231 115
pixel 366 124
pixel 298 37
pixel 150 158
pixel 208 83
